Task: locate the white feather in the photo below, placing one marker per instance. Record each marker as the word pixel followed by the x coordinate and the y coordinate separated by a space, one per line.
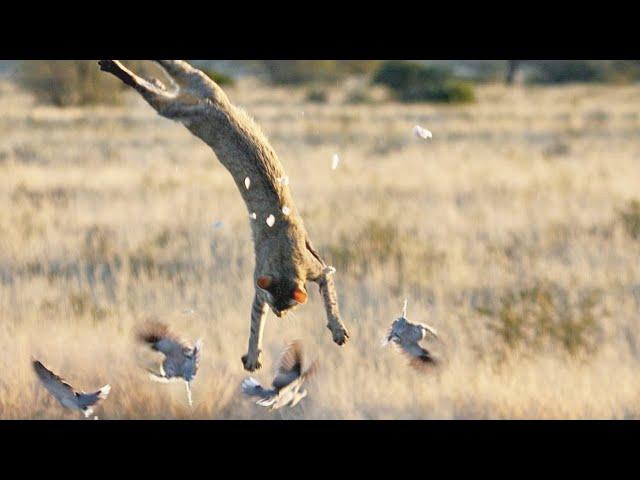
pixel 104 391
pixel 249 383
pixel 271 220
pixel 247 183
pixel 266 402
pixel 329 270
pixel 423 133
pixel 335 160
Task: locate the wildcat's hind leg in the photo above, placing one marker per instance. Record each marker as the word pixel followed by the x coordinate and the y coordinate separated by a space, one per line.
pixel 167 104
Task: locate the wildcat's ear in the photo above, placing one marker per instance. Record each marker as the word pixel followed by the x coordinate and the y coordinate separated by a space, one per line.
pixel 264 281
pixel 299 295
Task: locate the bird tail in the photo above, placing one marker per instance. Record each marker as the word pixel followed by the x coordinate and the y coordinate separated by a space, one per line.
pixel 424 362
pixel 404 309
pixel 252 388
pixel 88 400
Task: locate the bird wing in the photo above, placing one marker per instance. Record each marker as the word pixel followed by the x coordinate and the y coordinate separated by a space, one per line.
pixel 160 337
pixel 428 329
pixel 52 382
pixel 387 336
pixel 310 372
pixel 290 365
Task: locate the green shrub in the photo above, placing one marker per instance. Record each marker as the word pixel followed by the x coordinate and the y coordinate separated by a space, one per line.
pixel 359 67
pixel 219 77
pixel 295 72
pixel 630 218
pixel 542 313
pixel 455 91
pixel 317 95
pixel 288 72
pixel 624 71
pixel 359 96
pixel 566 71
pixel 582 71
pixel 414 82
pixel 378 244
pixel 68 82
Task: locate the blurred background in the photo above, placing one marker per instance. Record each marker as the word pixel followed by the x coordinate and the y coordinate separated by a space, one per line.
pixel 515 231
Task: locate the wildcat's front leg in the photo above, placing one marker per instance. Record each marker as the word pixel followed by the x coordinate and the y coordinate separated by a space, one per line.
pixel 330 298
pixel 259 310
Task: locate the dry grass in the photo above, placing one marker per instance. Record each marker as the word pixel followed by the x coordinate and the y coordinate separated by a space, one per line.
pixel 106 217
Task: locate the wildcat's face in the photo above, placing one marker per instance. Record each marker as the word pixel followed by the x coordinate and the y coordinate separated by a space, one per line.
pixel 282 294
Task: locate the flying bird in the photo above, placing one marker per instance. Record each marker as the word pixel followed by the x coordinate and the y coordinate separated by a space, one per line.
pixel 66 395
pixel 181 360
pixel 406 336
pixel 286 388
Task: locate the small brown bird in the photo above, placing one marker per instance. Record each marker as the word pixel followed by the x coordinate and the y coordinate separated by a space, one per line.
pixel 66 395
pixel 181 359
pixel 287 384
pixel 406 336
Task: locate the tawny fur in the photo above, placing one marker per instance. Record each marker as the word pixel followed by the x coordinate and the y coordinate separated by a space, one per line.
pixel 283 251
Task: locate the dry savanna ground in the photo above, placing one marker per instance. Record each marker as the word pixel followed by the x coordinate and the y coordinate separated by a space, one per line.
pixel 511 232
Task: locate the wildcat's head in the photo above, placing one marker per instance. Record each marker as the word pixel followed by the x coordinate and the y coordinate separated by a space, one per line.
pixel 282 293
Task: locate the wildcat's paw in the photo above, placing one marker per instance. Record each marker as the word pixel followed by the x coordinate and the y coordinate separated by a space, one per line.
pixel 107 65
pixel 340 334
pixel 252 363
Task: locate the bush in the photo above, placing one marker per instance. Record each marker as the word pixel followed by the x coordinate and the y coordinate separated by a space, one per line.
pixel 80 82
pixel 630 218
pixel 565 71
pixel 219 77
pixel 450 92
pixel 68 82
pixel 543 313
pixel 295 72
pixel 317 95
pixel 378 244
pixel 414 82
pixel 359 96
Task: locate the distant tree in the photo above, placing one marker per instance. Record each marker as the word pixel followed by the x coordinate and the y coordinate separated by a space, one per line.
pixel 584 71
pixel 512 69
pixel 291 72
pixel 414 82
